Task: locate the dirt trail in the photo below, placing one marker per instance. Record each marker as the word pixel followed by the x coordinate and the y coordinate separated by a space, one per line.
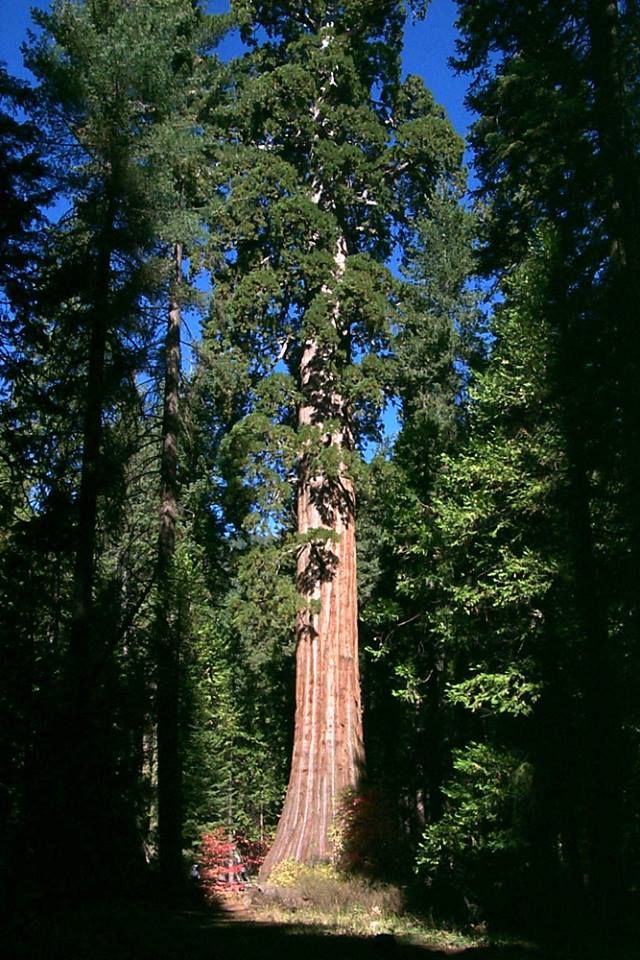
pixel 125 931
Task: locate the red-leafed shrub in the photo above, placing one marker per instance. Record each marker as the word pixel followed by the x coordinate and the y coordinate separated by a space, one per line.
pixel 227 864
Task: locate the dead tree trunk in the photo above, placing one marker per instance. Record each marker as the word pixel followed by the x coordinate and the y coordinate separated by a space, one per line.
pixel 328 751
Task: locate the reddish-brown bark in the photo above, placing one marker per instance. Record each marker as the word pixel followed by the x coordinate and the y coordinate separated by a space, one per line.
pixel 328 748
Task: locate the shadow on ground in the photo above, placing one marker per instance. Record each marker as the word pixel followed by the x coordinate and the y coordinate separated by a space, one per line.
pixel 125 931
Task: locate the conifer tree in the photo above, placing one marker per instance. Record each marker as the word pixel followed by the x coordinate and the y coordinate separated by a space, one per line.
pixel 179 37
pixel 498 539
pixel 406 664
pixel 113 77
pixel 556 88
pixel 23 189
pixel 332 157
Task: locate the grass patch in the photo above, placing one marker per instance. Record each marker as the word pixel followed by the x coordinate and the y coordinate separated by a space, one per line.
pixel 320 896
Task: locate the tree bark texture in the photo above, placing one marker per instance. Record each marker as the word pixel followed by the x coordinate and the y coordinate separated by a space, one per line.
pixel 168 636
pixel 328 752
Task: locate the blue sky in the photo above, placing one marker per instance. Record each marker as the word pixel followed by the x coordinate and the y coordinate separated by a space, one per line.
pixel 429 44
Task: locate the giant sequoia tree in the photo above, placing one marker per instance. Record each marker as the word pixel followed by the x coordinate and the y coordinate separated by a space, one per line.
pixel 331 158
pixel 148 660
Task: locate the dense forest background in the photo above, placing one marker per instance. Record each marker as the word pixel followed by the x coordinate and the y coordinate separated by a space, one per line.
pixel 193 249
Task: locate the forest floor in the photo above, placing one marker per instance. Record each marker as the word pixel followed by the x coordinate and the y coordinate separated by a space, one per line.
pixel 235 930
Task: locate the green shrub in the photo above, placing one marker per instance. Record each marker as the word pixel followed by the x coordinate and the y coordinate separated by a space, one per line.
pixel 479 843
pixel 292 873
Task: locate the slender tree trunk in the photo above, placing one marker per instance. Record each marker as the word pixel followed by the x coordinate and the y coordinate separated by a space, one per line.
pixel 620 190
pixel 599 682
pixel 167 626
pixel 82 650
pixel 328 752
pixel 598 658
pixel 80 737
pixel 615 690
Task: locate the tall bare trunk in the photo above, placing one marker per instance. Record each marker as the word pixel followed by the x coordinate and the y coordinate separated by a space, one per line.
pixel 80 735
pixel 168 634
pixel 82 647
pixel 328 750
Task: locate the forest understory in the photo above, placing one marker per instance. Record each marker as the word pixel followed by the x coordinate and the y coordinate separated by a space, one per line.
pixel 249 926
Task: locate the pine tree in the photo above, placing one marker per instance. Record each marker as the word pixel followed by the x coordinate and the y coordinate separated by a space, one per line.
pixel 555 89
pixel 241 669
pixel 32 543
pixel 108 75
pixel 498 542
pixel 23 187
pixel 179 39
pixel 406 666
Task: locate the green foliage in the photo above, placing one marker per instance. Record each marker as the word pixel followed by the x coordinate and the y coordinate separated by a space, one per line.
pixel 265 602
pixel 511 692
pixel 229 721
pixel 116 85
pixel 480 837
pixel 23 179
pixel 292 873
pixel 555 508
pixel 472 562
pixel 495 505
pixel 318 158
pixel 333 161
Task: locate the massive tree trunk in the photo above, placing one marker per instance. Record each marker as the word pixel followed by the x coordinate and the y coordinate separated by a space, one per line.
pixel 167 627
pixel 328 750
